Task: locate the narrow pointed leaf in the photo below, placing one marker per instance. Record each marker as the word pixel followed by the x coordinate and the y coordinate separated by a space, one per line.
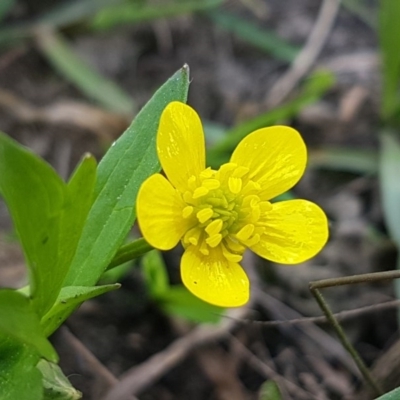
pixel 70 297
pixel 129 161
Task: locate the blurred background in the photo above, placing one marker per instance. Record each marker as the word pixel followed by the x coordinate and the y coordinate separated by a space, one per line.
pixel 74 73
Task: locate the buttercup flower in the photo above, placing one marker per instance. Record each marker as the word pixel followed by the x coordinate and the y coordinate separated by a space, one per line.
pixel 218 214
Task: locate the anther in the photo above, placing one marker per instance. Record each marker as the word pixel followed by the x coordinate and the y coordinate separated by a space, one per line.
pixel 245 233
pixel 214 240
pixel 214 227
pixel 235 184
pixel 187 212
pixel 200 192
pixel 204 215
pixel 211 184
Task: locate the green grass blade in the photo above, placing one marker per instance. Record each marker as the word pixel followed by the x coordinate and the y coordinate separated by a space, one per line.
pixel 314 88
pixel 260 38
pixel 389 33
pixel 71 12
pixel 131 12
pixel 91 83
pixel 343 159
pixel 128 162
pixel 61 15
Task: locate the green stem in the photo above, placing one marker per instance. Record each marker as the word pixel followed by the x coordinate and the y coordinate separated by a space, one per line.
pixel 129 252
pixel 314 288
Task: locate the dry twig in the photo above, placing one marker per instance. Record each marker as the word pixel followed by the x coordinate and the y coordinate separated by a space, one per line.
pixel 307 56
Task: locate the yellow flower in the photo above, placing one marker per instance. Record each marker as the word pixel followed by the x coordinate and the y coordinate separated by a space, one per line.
pixel 218 214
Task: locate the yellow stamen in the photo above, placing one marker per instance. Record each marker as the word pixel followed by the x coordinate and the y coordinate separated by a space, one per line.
pixel 235 184
pixel 214 240
pixel 214 227
pixel 200 192
pixel 187 212
pixel 211 184
pixel 204 215
pixel 245 233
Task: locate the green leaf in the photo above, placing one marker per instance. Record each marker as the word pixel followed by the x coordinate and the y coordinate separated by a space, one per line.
pixel 83 76
pixel 70 297
pixel 312 90
pixel 48 215
pixel 260 38
pixel 55 383
pixel 62 15
pixel 389 32
pixel 129 252
pixel 392 395
pixel 177 300
pixel 270 391
pixel 128 162
pixel 19 322
pixel 155 274
pixel 19 377
pixel 34 194
pixel 131 12
pixel 77 204
pixel 344 159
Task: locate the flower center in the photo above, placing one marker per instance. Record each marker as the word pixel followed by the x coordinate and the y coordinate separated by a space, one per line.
pixel 225 209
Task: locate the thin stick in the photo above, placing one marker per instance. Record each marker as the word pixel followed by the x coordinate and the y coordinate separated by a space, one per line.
pixel 325 283
pixel 340 316
pixel 307 56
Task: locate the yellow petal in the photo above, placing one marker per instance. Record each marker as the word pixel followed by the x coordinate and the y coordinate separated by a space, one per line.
pixel 276 157
pixel 214 279
pixel 180 144
pixel 160 213
pixel 296 230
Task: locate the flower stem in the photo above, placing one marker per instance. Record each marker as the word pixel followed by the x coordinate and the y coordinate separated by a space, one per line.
pixel 325 283
pixel 129 252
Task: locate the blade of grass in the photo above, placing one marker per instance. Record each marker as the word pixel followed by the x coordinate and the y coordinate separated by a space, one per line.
pixel 343 159
pixel 132 12
pixel 313 89
pixel 362 11
pixel 58 52
pixel 389 32
pixel 60 16
pixel 252 34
